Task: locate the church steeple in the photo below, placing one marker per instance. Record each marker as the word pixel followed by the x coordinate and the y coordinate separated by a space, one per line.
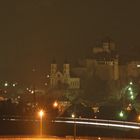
pixel 66 69
pixel 53 67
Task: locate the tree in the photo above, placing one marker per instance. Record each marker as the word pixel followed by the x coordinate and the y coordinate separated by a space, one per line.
pixel 96 89
pixel 129 95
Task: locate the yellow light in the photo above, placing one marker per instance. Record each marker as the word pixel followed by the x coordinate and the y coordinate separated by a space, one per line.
pixel 73 115
pixel 55 104
pixel 32 92
pixel 139 118
pixel 41 113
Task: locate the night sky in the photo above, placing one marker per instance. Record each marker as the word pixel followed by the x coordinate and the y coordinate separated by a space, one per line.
pixel 33 32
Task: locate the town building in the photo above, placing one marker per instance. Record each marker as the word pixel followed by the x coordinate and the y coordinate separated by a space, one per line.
pixel 104 63
pixel 63 77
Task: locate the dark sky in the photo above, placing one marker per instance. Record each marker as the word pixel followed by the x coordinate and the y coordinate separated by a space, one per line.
pixel 32 32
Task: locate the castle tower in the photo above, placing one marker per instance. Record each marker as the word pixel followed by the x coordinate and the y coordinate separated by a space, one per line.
pixel 108 45
pixel 53 68
pixel 116 69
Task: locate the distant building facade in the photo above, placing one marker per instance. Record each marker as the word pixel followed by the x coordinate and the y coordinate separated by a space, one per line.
pixel 103 63
pixel 129 71
pixel 57 77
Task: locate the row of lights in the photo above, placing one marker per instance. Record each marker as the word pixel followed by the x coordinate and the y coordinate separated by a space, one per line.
pixel 6 84
pixel 129 88
pixel 121 114
pixel 41 112
pixel 131 91
pixel 55 104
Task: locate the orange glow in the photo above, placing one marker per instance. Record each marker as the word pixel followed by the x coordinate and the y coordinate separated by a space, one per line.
pixel 55 104
pixel 41 113
pixel 139 118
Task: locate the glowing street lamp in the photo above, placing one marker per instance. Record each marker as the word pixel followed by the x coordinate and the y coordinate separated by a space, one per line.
pixel 130 89
pixel 41 114
pixel 6 84
pixel 132 97
pixel 131 83
pixel 121 114
pixel 139 118
pixel 73 116
pixel 55 104
pixel 14 85
pixel 131 93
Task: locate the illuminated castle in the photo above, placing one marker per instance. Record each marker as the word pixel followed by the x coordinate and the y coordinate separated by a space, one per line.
pixel 103 63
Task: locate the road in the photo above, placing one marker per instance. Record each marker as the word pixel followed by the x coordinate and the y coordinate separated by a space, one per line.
pixel 62 127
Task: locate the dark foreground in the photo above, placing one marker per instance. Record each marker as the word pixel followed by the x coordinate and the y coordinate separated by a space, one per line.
pixel 62 130
pixel 60 138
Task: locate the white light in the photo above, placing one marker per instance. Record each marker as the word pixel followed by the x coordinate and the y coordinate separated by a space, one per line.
pixel 121 114
pixel 138 66
pixel 102 124
pixel 130 89
pixel 131 83
pixel 32 92
pixel 132 97
pixel 6 84
pixel 131 93
pixel 14 85
pixel 73 115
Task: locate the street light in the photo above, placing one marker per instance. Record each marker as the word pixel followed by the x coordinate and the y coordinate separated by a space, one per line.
pixel 121 114
pixel 55 104
pixel 130 89
pixel 138 117
pixel 131 93
pixel 73 115
pixel 132 97
pixel 131 83
pixel 6 84
pixel 74 129
pixel 41 114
